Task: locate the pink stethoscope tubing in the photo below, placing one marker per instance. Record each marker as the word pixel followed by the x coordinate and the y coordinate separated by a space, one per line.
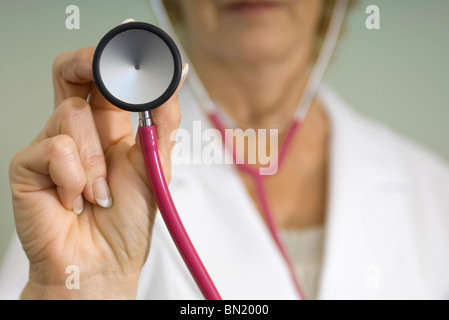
pixel 167 208
pixel 148 143
pixel 261 192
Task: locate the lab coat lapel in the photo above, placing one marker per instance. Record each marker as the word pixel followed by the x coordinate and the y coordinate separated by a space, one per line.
pixel 369 246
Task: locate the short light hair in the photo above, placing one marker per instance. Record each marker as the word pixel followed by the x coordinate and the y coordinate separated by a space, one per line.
pixel 175 14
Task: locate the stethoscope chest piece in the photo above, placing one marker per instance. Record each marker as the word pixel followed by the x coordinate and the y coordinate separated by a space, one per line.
pixel 137 66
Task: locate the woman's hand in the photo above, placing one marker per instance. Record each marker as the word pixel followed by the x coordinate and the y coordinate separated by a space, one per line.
pixel 80 191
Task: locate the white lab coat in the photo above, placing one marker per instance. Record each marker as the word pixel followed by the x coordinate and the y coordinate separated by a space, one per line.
pixel 386 232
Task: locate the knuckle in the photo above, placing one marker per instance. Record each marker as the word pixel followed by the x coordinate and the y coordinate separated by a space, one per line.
pixel 78 181
pixel 80 56
pixel 58 65
pixel 62 146
pixel 61 62
pixel 14 164
pixel 63 149
pixel 75 104
pixel 57 62
pixel 73 107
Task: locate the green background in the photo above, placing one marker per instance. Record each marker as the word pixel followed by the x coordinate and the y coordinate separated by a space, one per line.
pixel 398 74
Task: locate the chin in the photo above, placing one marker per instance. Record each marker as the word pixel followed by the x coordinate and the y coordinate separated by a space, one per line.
pixel 259 48
pixel 259 40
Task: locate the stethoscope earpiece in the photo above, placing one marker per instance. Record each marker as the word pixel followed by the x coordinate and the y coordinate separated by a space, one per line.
pixel 137 66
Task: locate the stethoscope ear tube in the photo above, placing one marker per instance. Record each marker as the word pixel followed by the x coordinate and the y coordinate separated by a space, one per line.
pixel 148 143
pixel 310 92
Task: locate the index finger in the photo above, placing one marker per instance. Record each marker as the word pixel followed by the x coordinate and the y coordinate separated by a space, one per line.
pixel 72 74
pixel 73 77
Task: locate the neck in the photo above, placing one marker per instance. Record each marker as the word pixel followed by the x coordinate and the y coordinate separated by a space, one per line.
pixel 253 93
pixel 266 95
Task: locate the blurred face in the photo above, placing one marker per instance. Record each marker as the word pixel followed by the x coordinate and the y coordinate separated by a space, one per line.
pixel 250 30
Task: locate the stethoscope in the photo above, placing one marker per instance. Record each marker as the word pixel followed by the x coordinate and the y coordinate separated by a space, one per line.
pixel 137 67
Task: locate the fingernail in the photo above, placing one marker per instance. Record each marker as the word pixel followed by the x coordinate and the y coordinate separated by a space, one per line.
pixel 102 194
pixel 185 70
pixel 128 21
pixel 78 205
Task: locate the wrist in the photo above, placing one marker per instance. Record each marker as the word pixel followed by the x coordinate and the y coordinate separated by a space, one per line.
pixel 95 288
